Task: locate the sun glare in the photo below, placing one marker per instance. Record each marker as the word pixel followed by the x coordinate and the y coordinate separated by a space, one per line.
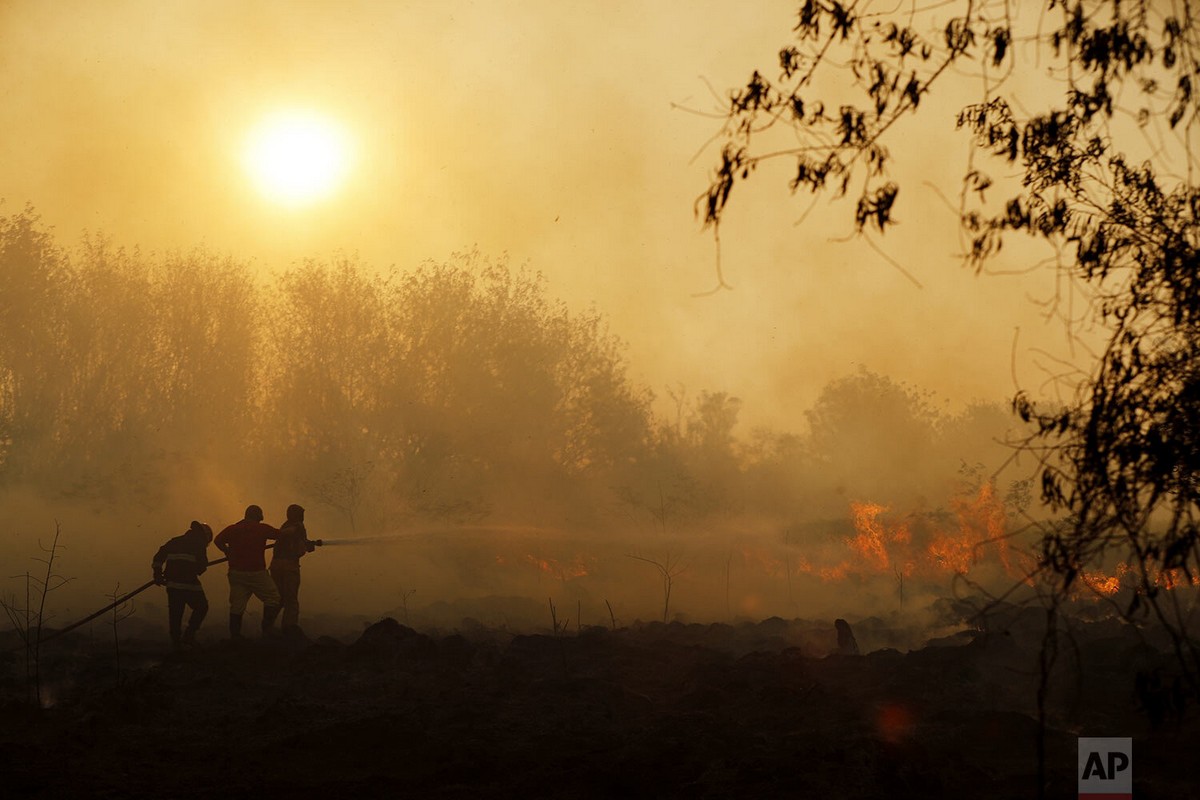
pixel 297 158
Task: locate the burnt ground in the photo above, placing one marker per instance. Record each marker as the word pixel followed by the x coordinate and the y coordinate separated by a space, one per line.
pixel 755 710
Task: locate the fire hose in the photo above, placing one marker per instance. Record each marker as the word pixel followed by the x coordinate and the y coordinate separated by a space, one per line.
pixel 319 542
pixel 128 596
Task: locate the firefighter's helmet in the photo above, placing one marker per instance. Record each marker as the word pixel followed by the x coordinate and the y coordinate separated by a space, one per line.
pixel 201 529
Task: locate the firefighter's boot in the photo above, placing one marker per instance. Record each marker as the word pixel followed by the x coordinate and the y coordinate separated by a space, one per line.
pixel 235 626
pixel 268 621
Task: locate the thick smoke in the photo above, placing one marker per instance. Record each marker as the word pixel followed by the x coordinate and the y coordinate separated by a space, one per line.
pixel 473 436
pixel 573 139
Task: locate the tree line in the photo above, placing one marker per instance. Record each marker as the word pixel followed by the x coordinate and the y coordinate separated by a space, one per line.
pixel 454 391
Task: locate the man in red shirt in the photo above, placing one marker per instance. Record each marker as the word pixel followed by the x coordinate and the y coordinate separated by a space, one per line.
pixel 245 543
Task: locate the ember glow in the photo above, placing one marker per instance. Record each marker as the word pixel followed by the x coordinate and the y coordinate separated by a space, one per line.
pixel 1176 578
pixel 895 722
pixel 1105 584
pixel 1122 576
pixel 578 566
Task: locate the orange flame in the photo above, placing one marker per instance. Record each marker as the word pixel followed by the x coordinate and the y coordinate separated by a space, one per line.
pixel 1102 583
pixel 578 567
pixel 869 543
pixel 1107 584
pixel 1174 578
pixel 909 547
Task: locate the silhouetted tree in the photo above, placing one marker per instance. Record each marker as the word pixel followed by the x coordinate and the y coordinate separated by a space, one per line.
pixel 208 367
pixel 693 469
pixel 326 348
pixel 1083 144
pixel 33 273
pixel 875 439
pixel 461 383
pixel 710 427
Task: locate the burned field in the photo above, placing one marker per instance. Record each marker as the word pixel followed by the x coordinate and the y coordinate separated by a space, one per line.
pixel 503 694
pixel 755 709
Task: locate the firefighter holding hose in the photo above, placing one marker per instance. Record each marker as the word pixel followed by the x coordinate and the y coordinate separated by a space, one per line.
pixel 291 545
pixel 245 543
pixel 178 565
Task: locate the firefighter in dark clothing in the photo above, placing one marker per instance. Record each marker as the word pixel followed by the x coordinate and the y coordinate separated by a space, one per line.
pixel 292 545
pixel 178 565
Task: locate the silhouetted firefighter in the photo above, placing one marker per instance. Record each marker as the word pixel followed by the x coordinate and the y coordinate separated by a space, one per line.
pixel 291 545
pixel 245 543
pixel 178 565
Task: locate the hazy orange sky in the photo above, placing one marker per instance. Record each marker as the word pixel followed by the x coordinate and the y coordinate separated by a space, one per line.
pixel 554 132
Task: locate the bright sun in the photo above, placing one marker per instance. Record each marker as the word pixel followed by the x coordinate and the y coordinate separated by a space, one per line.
pixel 297 158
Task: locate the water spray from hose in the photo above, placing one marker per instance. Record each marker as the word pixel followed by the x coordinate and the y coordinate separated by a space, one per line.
pixel 390 538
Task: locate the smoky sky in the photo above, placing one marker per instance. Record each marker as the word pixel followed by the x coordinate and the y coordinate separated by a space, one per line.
pixel 573 137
